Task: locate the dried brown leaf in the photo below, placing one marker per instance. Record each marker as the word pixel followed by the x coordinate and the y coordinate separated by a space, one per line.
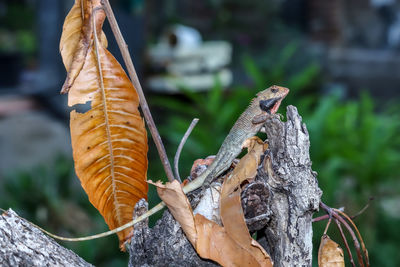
pixel 235 226
pixel 109 141
pixel 330 254
pixel 179 206
pixel 77 37
pixel 247 166
pixel 229 246
pixel 214 243
pixel 210 240
pixel 231 209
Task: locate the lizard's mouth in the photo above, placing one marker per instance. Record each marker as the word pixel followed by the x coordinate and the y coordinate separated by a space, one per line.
pixel 271 105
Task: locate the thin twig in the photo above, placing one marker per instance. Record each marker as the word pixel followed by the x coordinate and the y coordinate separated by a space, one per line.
pixel 321 218
pixel 343 221
pixel 123 47
pixel 363 209
pixel 365 251
pixel 327 225
pixel 179 150
pixel 345 243
pixel 324 217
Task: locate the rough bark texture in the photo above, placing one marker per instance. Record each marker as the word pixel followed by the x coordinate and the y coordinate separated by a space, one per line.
pixel 163 245
pixel 279 206
pixel 22 244
pixel 294 192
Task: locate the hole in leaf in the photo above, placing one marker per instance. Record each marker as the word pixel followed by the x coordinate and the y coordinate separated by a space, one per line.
pixel 82 108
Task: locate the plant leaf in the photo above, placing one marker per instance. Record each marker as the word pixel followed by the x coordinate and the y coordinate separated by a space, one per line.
pixel 247 166
pixel 77 37
pixel 179 206
pixel 231 208
pixel 109 141
pixel 210 240
pixel 232 244
pixel 214 243
pixel 330 254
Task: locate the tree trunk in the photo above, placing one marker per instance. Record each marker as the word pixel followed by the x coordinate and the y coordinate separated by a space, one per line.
pixel 278 206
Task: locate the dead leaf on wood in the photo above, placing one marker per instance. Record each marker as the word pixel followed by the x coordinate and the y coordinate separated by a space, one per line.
pixel 231 208
pixel 214 243
pixel 330 254
pixel 247 166
pixel 235 226
pixel 231 245
pixel 109 141
pixel 77 37
pixel 179 206
pixel 209 239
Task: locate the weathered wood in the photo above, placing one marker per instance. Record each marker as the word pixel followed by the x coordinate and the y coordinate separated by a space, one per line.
pixel 294 192
pixel 163 245
pixel 22 244
pixel 279 205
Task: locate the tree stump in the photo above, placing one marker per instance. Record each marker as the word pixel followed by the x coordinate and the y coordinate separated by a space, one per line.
pixel 278 206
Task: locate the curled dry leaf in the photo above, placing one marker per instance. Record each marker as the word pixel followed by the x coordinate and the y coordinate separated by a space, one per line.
pixel 214 243
pixel 210 240
pixel 232 244
pixel 109 141
pixel 231 208
pixel 77 37
pixel 235 226
pixel 330 254
pixel 247 166
pixel 179 206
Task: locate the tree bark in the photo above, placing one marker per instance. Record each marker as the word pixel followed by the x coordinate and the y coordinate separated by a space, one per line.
pixel 278 205
pixel 22 244
pixel 294 192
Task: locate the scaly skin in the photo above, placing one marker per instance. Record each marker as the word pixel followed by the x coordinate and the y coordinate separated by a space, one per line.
pixel 249 123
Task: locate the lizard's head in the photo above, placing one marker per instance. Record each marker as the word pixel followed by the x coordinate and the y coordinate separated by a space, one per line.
pixel 271 98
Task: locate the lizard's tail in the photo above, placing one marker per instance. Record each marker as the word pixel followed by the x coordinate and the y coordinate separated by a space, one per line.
pixel 155 209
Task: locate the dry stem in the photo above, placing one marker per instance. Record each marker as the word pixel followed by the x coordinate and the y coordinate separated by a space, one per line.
pixel 135 81
pixel 179 150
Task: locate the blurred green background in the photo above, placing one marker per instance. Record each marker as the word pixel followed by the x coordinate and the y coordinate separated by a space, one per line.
pixel 348 100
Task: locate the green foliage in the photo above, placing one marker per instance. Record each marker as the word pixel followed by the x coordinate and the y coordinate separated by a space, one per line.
pixel 52 198
pixel 16 29
pixel 356 153
pixel 352 144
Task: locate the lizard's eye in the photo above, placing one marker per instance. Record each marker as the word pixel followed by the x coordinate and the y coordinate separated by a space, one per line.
pixel 274 90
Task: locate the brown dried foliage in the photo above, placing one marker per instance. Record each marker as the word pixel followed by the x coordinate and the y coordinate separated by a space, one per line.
pixel 230 245
pixel 330 254
pixel 109 141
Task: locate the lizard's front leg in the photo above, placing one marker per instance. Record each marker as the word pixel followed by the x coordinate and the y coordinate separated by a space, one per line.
pixel 261 118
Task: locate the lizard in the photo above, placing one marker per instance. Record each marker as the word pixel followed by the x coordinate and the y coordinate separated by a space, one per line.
pixel 247 125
